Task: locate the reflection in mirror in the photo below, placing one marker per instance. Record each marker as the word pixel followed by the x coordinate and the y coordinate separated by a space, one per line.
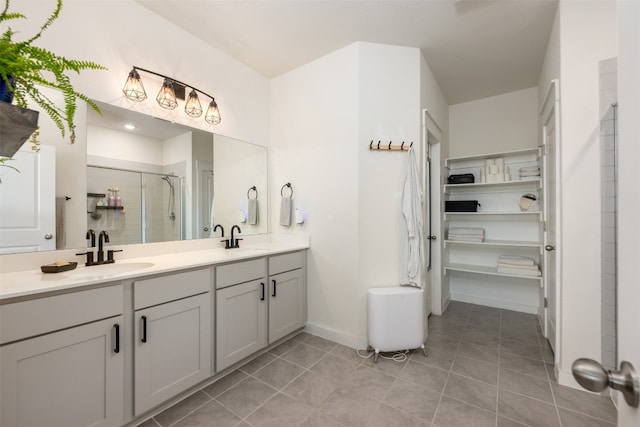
pixel 173 182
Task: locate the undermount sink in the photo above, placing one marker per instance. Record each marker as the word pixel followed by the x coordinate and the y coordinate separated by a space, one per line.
pixel 107 270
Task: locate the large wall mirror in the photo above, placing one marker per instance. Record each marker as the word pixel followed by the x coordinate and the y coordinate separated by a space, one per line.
pixel 153 181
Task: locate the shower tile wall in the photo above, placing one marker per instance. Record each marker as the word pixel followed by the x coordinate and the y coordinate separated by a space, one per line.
pixel 608 135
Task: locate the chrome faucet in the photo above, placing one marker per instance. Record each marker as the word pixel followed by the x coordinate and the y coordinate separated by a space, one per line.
pixel 102 238
pixel 234 242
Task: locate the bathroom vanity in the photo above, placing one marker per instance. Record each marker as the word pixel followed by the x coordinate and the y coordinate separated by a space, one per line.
pixel 106 346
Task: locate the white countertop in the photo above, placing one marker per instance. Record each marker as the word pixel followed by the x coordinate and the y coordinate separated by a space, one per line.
pixel 31 282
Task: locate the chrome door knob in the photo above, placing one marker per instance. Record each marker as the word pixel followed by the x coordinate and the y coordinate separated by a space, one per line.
pixel 48 236
pixel 549 248
pixel 205 229
pixel 592 376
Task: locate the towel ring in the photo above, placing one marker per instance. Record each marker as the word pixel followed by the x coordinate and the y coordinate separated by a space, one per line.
pixel 288 184
pixel 249 192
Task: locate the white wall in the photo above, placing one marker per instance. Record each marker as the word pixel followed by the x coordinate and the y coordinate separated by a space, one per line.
pixel 504 122
pixel 324 115
pixel 588 34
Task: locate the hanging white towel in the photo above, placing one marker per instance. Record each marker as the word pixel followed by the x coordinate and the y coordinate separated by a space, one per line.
pixel 253 211
pixel 412 250
pixel 285 211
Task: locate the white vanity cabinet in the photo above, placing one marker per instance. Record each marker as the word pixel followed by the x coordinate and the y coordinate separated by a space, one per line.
pixel 286 294
pixel 241 311
pixel 61 360
pixel 172 335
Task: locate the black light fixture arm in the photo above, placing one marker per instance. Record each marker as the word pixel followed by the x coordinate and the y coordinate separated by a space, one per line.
pixel 172 79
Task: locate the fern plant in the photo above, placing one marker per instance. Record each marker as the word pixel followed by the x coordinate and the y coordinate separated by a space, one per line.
pixel 25 67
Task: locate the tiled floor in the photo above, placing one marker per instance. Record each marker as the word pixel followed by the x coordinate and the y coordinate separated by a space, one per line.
pixel 486 367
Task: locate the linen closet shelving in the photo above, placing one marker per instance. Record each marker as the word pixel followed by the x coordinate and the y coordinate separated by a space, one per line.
pixel 471 267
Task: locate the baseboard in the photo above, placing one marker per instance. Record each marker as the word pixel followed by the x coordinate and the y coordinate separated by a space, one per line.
pixel 336 336
pixel 491 302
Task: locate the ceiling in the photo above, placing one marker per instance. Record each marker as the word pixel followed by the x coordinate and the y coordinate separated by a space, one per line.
pixel 475 48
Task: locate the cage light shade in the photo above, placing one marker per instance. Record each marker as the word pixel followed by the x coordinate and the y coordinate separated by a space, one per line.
pixel 133 89
pixel 167 97
pixel 213 114
pixel 193 107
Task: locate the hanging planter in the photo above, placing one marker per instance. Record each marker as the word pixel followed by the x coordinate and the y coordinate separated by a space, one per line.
pixel 16 126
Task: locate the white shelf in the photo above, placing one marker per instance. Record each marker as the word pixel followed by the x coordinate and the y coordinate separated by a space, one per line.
pixel 508 185
pixel 494 215
pixel 497 243
pixel 482 269
pixel 528 151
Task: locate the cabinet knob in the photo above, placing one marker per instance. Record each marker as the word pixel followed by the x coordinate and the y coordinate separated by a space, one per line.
pixel 549 248
pixel 48 236
pixel 432 237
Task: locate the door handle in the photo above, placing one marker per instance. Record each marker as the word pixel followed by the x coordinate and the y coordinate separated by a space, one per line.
pixel 116 349
pixel 592 376
pixel 262 291
pixel 432 238
pixel 274 288
pixel 549 248
pixel 144 329
pixel 48 236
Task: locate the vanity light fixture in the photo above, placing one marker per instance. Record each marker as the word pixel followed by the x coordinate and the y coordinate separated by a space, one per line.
pixel 172 90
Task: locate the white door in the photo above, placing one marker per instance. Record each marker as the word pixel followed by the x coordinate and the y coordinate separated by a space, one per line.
pixel 432 135
pixel 628 198
pixel 204 194
pixel 551 140
pixel 27 202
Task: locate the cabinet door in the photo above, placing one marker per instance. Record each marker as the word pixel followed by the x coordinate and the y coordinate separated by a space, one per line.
pixel 172 349
pixel 286 304
pixel 241 322
pixel 74 377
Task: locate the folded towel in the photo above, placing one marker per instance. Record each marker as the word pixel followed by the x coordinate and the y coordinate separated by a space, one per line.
pixel 466 238
pixel 529 178
pixel 253 211
pixel 529 173
pixel 519 267
pixel 475 231
pixel 515 260
pixel 285 211
pixel 519 271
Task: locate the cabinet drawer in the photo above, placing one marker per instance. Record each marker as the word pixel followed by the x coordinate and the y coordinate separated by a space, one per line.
pixel 34 317
pixel 158 290
pixel 287 262
pixel 240 272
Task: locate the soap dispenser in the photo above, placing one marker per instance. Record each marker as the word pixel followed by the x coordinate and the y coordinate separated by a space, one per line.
pixel 118 199
pixel 111 200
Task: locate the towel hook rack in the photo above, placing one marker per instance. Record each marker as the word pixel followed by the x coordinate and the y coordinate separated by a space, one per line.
pixel 288 184
pixel 389 147
pixel 249 192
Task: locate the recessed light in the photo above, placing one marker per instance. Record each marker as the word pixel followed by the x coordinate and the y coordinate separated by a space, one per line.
pixel 129 126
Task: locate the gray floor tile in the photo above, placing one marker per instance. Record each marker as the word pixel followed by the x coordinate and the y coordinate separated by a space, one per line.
pixel 529 335
pixel 453 413
pixel 318 419
pixel 387 416
pixel 435 357
pixel 473 392
pixel 311 388
pixel 427 376
pixel 522 364
pixel 278 373
pixel 181 409
pixel 224 383
pixel 547 352
pixel 246 396
pixel 348 353
pixel 280 411
pixel 506 422
pixel 284 347
pixel 320 343
pixel 333 367
pixel 257 363
pixel 526 410
pixel 384 364
pixel 302 337
pixel 442 342
pixel 369 382
pixel 212 414
pixel 350 409
pixel 474 337
pixel 413 399
pixel 535 387
pixel 521 348
pixel 573 419
pixel 479 352
pixel 475 369
pixel 148 423
pixel 303 355
pixel 584 402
